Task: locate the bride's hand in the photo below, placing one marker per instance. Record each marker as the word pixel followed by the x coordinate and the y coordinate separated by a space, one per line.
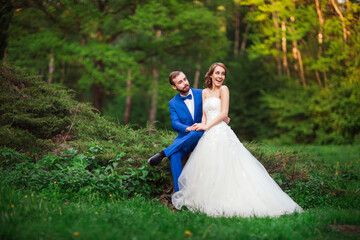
pixel 200 127
pixel 227 120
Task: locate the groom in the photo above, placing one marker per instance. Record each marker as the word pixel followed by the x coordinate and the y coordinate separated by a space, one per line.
pixel 185 110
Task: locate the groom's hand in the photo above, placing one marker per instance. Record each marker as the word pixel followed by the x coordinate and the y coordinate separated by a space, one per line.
pixel 190 128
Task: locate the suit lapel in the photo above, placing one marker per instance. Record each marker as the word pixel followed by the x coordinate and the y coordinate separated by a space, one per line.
pixel 197 103
pixel 183 107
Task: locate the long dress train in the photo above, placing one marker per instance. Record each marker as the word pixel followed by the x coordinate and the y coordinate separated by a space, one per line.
pixel 222 178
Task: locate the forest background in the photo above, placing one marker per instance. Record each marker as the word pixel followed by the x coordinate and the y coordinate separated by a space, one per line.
pixel 293 65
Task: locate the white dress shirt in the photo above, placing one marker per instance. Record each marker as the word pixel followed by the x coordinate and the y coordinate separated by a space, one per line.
pixel 190 103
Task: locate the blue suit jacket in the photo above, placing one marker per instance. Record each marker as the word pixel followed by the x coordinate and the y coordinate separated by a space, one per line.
pixel 180 115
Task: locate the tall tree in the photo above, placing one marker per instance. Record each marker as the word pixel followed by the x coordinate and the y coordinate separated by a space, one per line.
pixel 341 18
pixel 320 40
pixel 128 98
pixel 6 13
pixel 275 16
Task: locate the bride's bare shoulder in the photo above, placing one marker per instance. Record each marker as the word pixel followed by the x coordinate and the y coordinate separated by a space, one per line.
pixel 224 87
pixel 224 90
pixel 205 92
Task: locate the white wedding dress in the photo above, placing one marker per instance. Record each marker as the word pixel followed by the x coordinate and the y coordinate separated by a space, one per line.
pixel 223 179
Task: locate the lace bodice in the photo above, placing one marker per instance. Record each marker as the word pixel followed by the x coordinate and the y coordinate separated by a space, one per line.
pixel 212 108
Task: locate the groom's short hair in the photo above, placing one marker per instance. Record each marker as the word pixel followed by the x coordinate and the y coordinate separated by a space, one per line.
pixel 173 75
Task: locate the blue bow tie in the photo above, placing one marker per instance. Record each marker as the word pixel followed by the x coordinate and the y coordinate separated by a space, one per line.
pixel 187 97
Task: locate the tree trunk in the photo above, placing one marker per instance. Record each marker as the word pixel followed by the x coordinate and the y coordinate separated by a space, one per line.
pixel 297 56
pixel 318 77
pixel 237 33
pixel 51 67
pixel 97 95
pixel 101 5
pixel 320 38
pixel 277 44
pixel 321 21
pixel 285 62
pixel 128 98
pixel 97 88
pixel 342 19
pixel 197 75
pixel 302 75
pixel 63 65
pixel 154 94
pixel 155 87
pixel 243 43
pixel 197 72
pixel 6 13
pixel 325 79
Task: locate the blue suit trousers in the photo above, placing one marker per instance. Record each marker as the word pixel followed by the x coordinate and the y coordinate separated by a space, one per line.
pixel 179 149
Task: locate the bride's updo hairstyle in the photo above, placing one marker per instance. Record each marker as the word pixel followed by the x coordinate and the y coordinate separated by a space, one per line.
pixel 208 80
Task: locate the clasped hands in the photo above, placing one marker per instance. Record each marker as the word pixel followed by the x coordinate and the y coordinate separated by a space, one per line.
pixel 197 127
pixel 203 126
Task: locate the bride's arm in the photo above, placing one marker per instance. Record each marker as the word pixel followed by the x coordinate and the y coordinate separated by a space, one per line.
pixel 203 95
pixel 225 96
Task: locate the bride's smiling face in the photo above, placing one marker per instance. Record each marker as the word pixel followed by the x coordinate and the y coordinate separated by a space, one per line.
pixel 218 76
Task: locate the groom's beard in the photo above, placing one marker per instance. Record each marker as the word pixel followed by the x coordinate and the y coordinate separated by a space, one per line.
pixel 185 90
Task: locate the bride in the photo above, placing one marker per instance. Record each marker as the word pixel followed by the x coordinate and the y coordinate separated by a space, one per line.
pixel 221 177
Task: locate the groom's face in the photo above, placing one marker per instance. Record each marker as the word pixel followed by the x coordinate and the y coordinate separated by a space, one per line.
pixel 181 84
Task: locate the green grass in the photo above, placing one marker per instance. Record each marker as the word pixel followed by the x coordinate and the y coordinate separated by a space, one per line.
pixel 60 216
pixel 328 153
pixel 140 218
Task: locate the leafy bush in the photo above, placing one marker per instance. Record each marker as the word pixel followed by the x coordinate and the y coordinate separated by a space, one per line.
pixel 314 114
pixel 37 118
pixel 32 112
pixel 329 185
pixel 73 174
pixel 324 190
pixel 38 115
pixel 77 174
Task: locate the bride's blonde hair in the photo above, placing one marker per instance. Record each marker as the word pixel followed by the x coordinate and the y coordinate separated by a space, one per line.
pixel 208 80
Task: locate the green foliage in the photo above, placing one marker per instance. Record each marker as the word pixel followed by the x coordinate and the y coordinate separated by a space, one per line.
pixel 95 47
pixel 249 115
pixel 331 176
pixel 329 185
pixel 31 110
pixel 113 50
pixel 73 174
pixel 6 13
pixel 315 115
pixel 46 118
pixel 37 114
pixel 323 111
pixel 110 158
pixel 310 182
